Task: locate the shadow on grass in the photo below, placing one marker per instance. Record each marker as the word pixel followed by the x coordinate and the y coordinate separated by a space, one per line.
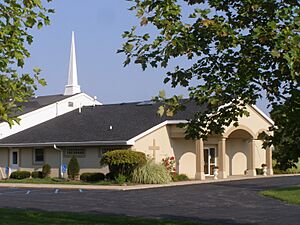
pixel 37 217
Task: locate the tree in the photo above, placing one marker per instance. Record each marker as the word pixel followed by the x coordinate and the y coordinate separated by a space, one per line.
pixel 237 50
pixel 73 168
pixel 17 18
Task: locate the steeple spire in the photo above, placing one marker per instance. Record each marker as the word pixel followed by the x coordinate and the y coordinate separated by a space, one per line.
pixel 72 87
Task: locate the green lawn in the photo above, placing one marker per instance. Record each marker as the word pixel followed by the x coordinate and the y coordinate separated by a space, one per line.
pixel 27 217
pixel 55 181
pixel 290 195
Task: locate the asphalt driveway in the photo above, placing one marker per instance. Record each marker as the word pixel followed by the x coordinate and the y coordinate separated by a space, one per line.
pixel 235 202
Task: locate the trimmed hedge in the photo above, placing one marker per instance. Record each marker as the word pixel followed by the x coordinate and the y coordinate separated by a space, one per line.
pixel 109 176
pixel 37 174
pixel 123 162
pixel 20 175
pixel 92 177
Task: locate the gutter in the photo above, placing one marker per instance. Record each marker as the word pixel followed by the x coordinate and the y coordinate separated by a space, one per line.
pixel 50 144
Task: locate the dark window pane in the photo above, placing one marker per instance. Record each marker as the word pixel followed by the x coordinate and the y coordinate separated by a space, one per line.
pixel 15 158
pixel 39 155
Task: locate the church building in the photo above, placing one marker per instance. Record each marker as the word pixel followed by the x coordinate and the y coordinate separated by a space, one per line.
pixel 54 128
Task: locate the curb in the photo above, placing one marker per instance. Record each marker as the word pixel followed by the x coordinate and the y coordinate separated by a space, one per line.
pixel 136 187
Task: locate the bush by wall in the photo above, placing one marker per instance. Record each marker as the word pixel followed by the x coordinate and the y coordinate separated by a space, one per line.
pixel 46 171
pixel 73 168
pixel 179 177
pixel 92 177
pixel 259 171
pixel 123 162
pixel 37 174
pixel 20 175
pixel 109 176
pixel 151 173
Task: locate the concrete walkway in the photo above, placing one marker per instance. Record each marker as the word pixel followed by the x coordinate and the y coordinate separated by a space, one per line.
pixel 138 186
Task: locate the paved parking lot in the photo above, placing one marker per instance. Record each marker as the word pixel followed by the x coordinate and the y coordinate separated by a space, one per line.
pixel 235 202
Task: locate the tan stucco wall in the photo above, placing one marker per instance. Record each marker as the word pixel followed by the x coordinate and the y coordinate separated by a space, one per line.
pixel 255 123
pixel 183 150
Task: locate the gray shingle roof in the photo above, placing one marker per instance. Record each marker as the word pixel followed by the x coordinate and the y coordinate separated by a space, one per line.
pixel 127 120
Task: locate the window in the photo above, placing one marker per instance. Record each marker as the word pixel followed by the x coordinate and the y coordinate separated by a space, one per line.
pixel 76 151
pixel 39 155
pixel 15 158
pixel 70 104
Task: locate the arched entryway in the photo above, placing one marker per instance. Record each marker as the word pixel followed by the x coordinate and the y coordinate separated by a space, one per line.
pixel 240 150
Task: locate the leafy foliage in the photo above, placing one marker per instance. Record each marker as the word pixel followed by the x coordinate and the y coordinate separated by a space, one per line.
pixel 123 162
pixel 17 18
pixel 170 164
pixel 19 175
pixel 179 177
pixel 37 174
pixel 232 52
pixel 73 168
pixel 92 177
pixel 46 170
pixel 151 173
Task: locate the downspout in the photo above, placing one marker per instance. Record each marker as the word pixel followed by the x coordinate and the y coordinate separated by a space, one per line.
pixel 61 160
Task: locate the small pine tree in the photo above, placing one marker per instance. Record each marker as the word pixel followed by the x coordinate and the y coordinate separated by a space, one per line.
pixel 73 168
pixel 46 170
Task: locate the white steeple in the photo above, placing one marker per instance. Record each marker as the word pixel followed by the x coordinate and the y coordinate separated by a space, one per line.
pixel 72 87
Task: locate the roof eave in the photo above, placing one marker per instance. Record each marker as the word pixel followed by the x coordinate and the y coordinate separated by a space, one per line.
pixel 62 144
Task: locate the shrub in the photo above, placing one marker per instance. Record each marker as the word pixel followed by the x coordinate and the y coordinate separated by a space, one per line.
pixel 46 171
pixel 92 177
pixel 20 175
pixel 259 171
pixel 170 164
pixel 179 177
pixel 73 168
pixel 123 162
pixel 109 176
pixel 37 174
pixel 120 179
pixel 151 173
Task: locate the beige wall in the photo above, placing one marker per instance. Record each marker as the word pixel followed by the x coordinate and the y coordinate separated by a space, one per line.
pixel 183 150
pixel 90 163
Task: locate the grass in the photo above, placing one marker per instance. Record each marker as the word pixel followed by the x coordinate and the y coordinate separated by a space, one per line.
pixel 56 181
pixel 29 217
pixel 290 195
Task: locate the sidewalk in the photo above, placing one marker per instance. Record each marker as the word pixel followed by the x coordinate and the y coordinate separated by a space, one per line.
pixel 138 186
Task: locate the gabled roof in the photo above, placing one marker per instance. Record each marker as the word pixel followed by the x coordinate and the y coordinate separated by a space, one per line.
pixel 104 124
pixel 35 103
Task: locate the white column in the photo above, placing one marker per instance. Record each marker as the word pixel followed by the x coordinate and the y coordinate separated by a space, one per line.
pixel 269 161
pixel 199 160
pixel 221 158
pixel 251 170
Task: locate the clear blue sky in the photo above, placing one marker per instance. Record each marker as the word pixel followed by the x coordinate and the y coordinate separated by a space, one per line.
pixel 98 26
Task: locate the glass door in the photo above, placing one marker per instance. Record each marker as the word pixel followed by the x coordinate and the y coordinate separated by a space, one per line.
pixel 14 159
pixel 210 161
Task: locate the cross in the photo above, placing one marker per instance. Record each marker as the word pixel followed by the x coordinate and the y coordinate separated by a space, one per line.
pixel 154 148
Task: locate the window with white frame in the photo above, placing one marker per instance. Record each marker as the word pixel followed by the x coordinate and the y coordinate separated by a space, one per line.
pixel 38 155
pixel 75 151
